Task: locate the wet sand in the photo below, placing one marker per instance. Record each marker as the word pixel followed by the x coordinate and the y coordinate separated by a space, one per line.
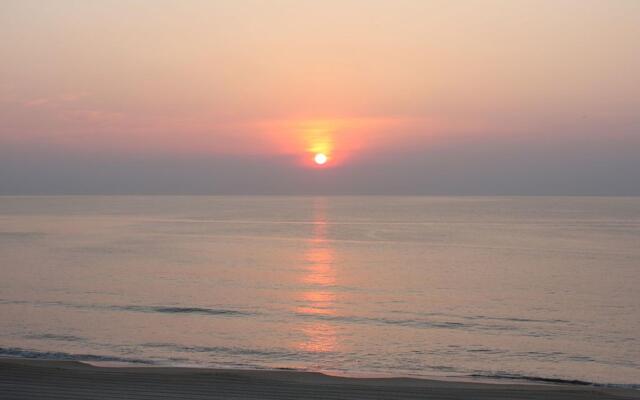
pixel 38 379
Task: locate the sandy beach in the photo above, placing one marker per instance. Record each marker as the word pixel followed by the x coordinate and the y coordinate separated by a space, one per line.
pixel 38 379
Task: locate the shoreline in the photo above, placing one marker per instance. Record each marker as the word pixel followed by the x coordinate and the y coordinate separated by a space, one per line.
pixel 504 379
pixel 117 362
pixel 477 378
pixel 54 379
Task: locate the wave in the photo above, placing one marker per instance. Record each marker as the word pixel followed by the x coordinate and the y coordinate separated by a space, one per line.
pixel 273 353
pixel 53 336
pixel 541 379
pixel 470 323
pixel 180 310
pixel 136 308
pixel 416 323
pixel 515 319
pixel 58 355
pixel 21 235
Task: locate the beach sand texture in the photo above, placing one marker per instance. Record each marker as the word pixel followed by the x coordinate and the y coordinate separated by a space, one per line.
pixel 38 379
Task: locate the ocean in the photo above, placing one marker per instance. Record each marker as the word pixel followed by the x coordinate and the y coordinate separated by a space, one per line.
pixel 462 287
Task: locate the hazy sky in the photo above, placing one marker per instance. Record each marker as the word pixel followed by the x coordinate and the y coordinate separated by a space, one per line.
pixel 404 96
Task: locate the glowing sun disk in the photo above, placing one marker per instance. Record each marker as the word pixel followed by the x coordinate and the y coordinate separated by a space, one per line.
pixel 320 158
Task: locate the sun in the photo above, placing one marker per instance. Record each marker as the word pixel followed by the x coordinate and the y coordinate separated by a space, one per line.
pixel 320 159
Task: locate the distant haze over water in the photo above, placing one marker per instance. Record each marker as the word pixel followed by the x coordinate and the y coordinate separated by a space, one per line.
pixel 414 286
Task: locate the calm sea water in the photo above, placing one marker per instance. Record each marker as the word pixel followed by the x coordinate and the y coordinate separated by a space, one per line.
pixel 413 286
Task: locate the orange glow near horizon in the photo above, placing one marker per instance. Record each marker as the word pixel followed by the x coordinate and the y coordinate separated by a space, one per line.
pixel 341 140
pixel 319 140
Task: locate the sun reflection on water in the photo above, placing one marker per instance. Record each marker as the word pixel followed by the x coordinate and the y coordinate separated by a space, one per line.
pixel 319 278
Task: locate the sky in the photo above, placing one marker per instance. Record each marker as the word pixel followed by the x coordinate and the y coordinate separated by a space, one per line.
pixel 433 97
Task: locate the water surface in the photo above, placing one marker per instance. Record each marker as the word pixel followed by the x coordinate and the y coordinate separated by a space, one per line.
pixel 414 286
